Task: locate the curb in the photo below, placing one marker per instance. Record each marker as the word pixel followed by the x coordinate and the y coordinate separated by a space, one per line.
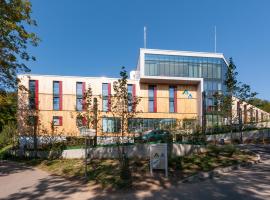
pixel 201 176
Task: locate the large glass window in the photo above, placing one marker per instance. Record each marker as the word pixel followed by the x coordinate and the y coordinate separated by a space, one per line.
pixel 56 96
pixel 79 96
pixel 146 124
pixel 105 97
pixel 151 98
pixel 213 71
pixel 111 125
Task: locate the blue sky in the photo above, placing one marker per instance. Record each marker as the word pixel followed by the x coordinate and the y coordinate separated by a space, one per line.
pixel 96 37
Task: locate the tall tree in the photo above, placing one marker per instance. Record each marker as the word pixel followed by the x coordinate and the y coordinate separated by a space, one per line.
pixel 234 88
pixel 124 107
pixel 15 16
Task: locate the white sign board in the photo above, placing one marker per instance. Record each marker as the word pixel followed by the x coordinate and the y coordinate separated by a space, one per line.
pixel 86 132
pixel 159 157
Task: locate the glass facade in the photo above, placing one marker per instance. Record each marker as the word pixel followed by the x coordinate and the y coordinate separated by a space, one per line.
pixel 56 96
pixel 212 70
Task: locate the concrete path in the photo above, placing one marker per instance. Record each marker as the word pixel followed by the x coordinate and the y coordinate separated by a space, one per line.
pixel 21 182
pixel 18 181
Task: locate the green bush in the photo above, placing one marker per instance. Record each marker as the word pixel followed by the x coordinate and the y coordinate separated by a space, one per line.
pixel 213 149
pixel 228 150
pixel 75 141
pixel 8 135
pixel 176 162
pixel 4 152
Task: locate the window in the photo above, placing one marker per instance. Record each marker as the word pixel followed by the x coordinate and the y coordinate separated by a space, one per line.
pixel 57 95
pixel 57 120
pixel 33 94
pixel 106 87
pixel 145 124
pixel 172 99
pixel 152 98
pixel 111 125
pixel 130 96
pixel 80 87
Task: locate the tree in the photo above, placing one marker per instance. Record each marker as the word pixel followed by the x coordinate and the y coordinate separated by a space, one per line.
pixel 123 107
pixel 89 115
pixel 259 103
pixel 231 87
pixel 234 88
pixel 28 118
pixel 8 108
pixel 15 16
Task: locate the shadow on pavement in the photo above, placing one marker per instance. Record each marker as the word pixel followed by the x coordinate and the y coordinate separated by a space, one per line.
pixel 9 167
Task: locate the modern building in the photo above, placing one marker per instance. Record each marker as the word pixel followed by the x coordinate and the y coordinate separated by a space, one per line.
pixel 172 85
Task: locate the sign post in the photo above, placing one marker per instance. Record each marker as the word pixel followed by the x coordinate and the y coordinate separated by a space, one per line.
pixel 159 158
pixel 87 134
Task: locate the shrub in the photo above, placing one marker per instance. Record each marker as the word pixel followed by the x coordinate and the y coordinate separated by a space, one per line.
pixel 228 150
pixel 176 162
pixel 8 135
pixel 213 149
pixel 74 141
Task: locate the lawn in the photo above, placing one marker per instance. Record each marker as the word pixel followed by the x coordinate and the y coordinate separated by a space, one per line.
pixel 106 172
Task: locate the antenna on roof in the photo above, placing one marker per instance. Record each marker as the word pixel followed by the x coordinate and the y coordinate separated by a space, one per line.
pixel 144 29
pixel 215 39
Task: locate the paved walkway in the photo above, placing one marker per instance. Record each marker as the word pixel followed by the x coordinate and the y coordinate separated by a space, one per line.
pixel 20 182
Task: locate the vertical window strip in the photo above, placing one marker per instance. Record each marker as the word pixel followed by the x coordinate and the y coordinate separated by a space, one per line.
pixel 83 96
pixel 109 97
pixel 60 95
pixel 105 97
pixel 80 91
pixel 175 99
pixel 155 98
pixel 172 99
pixel 151 98
pixel 133 97
pixel 56 98
pixel 36 94
pixel 33 94
pixel 130 97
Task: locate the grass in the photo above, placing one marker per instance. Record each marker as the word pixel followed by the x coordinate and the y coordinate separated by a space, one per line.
pixel 216 156
pixel 106 172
